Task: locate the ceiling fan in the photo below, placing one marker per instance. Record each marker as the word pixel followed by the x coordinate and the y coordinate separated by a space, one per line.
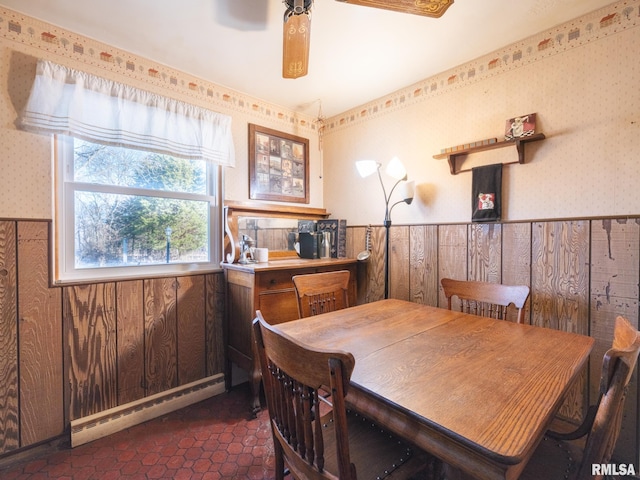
pixel 297 26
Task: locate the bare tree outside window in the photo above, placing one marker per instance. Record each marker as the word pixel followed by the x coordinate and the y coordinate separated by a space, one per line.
pixel 122 202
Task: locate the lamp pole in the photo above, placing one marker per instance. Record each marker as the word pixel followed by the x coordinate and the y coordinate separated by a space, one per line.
pixel 396 170
pixel 387 224
pixel 167 231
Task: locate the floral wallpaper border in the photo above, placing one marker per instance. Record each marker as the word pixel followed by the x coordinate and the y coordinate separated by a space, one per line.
pixel 599 24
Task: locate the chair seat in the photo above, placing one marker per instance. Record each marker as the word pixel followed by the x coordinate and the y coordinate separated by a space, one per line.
pixel 376 453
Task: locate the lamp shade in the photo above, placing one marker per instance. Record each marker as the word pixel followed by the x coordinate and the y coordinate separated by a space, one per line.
pixel 367 167
pixel 407 189
pixel 395 169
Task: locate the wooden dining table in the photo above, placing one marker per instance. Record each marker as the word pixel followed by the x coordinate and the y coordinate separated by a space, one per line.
pixel 477 393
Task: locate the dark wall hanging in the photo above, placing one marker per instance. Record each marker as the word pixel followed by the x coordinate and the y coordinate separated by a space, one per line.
pixel 486 194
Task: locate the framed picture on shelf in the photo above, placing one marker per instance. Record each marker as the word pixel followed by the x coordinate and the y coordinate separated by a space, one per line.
pixel 278 166
pixel 519 127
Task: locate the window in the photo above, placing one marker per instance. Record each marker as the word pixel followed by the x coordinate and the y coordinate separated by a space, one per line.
pixel 137 176
pixel 122 212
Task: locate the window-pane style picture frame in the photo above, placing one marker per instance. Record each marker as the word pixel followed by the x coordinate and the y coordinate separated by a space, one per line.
pixel 278 166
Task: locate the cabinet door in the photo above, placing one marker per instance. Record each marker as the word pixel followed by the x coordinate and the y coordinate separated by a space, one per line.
pixel 240 314
pixel 279 307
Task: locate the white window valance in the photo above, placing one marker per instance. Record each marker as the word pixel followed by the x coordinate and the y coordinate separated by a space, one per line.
pixel 72 102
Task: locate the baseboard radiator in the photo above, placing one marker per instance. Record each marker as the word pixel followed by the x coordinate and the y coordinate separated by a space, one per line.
pixel 92 427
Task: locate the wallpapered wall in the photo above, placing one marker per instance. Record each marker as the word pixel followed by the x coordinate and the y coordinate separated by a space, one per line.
pixel 581 78
pixel 25 158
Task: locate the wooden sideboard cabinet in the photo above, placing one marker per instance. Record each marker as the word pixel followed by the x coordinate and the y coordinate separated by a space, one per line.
pixel 267 287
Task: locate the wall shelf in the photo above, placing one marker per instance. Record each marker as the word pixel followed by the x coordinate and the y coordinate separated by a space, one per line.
pixel 519 143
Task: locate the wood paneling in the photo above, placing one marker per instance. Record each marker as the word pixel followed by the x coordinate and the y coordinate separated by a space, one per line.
pixel 356 243
pixel 485 252
pixel 160 323
pixel 399 262
pixel 516 253
pixel 516 261
pixel 42 412
pixel 560 289
pixel 560 275
pixel 130 335
pixel 571 290
pixel 423 245
pixel 191 329
pixel 89 318
pixel 615 247
pixel 68 352
pixel 214 324
pixel 452 256
pixel 9 440
pixel 375 266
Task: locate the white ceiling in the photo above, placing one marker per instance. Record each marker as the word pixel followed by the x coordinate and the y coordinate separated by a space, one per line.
pixel 357 53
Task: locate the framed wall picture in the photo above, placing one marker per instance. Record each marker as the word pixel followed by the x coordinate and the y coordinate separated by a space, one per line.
pixel 278 166
pixel 519 127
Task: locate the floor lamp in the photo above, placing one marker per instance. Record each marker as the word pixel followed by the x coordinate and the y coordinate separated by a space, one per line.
pixel 396 170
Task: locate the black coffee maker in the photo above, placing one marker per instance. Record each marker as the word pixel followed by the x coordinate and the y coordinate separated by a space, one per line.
pixel 308 239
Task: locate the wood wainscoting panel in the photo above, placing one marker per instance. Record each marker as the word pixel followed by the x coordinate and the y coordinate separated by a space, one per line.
pixel 42 412
pixel 74 351
pixel 560 286
pixel 356 240
pixel 89 325
pixel 560 275
pixel 516 261
pixel 191 329
pixel 375 267
pixel 615 280
pixel 130 331
pixel 356 243
pixel 452 256
pixel 423 244
pixel 215 287
pixel 160 320
pixel 399 284
pixel 10 438
pixel 485 252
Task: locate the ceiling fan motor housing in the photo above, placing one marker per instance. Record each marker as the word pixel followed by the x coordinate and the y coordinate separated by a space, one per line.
pixel 298 7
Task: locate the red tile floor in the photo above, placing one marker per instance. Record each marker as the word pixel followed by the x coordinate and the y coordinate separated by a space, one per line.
pixel 213 439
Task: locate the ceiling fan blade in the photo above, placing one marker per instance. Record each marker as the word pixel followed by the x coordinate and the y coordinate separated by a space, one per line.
pixel 428 8
pixel 295 45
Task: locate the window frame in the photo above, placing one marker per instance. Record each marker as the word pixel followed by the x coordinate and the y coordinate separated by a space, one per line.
pixel 63 252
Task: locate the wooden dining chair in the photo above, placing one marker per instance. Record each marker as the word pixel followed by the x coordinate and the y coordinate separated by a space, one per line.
pixel 486 299
pixel 321 292
pixel 312 440
pixel 571 455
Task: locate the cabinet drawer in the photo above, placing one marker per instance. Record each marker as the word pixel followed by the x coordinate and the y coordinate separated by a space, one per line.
pixel 270 281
